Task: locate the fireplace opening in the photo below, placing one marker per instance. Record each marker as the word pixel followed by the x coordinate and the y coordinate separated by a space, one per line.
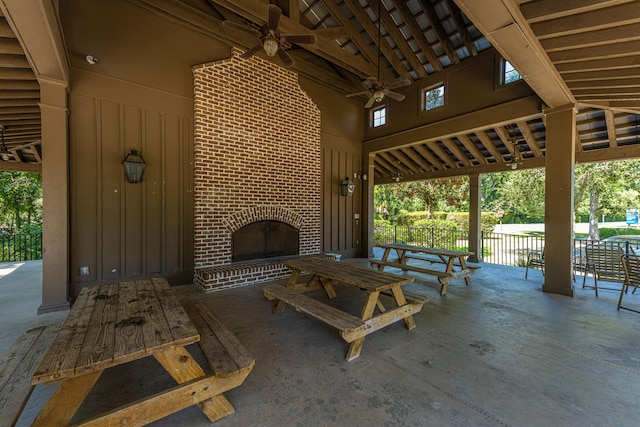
pixel 264 239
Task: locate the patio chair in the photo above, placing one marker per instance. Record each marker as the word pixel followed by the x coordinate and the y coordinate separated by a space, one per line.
pixel 604 262
pixel 535 259
pixel 631 263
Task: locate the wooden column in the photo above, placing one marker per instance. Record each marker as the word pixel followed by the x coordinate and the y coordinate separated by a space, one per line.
pixel 368 211
pixel 55 191
pixel 475 218
pixel 559 160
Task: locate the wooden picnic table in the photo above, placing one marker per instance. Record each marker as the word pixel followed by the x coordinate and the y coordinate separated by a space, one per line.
pixel 455 262
pixel 114 324
pixel 324 274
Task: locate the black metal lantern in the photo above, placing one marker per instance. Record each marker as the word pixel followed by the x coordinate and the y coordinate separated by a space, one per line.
pixel 134 166
pixel 347 187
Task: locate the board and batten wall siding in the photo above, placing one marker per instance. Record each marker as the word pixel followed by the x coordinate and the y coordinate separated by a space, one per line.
pixel 121 230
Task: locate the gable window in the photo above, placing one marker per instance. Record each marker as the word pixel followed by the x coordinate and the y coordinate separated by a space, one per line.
pixel 379 117
pixel 433 97
pixel 509 74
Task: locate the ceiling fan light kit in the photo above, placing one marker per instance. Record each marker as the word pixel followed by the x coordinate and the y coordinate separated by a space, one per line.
pixel 271 41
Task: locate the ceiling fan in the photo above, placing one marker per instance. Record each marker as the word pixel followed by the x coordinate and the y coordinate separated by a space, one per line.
pixel 516 160
pixel 376 88
pixel 271 40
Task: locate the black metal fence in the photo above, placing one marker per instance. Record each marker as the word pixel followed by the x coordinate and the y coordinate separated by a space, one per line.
pixel 497 248
pixel 20 247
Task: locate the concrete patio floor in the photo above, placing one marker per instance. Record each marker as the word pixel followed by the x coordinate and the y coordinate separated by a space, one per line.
pixel 499 352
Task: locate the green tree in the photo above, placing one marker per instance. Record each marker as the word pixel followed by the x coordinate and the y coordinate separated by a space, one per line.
pixel 20 199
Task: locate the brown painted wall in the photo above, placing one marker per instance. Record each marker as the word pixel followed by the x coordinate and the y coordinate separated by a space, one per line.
pixel 121 230
pixel 469 86
pixel 341 135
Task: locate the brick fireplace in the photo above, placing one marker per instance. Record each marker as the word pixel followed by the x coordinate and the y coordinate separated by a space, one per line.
pixel 257 158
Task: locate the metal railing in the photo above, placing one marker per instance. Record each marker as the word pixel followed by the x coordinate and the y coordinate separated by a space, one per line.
pixel 497 248
pixel 20 247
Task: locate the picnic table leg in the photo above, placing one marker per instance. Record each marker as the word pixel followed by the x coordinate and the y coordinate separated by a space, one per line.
pixel 179 363
pixel 327 284
pixel 291 284
pixel 463 265
pixel 66 400
pixel 367 312
pixel 398 295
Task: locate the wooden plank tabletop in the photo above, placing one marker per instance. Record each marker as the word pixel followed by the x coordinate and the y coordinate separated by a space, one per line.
pixel 113 324
pixel 362 277
pixel 425 250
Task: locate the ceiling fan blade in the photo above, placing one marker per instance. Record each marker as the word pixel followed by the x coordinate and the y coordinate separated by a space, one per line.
pixel 301 38
pixel 248 54
pixel 359 93
pixel 399 83
pixel 274 17
pixel 239 27
pixel 286 59
pixel 368 83
pixel 394 96
pixel 370 102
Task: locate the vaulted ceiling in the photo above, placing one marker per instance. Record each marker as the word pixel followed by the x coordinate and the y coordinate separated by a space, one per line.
pixel 582 51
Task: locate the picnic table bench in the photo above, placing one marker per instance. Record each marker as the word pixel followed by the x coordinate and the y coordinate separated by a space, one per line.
pixel 17 366
pixel 325 274
pixel 456 265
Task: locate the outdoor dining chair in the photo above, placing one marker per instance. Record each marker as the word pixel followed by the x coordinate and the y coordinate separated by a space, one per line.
pixel 631 263
pixel 604 262
pixel 535 259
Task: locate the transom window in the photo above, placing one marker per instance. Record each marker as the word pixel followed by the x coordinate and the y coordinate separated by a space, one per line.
pixel 433 97
pixel 379 117
pixel 509 74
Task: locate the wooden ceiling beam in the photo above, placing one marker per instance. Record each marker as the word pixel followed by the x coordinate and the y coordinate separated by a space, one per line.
pixel 418 35
pixel 441 153
pixel 435 163
pixel 461 26
pixel 598 64
pixel 606 83
pixel 545 10
pixel 417 158
pixel 630 107
pixel 592 20
pixel 506 140
pixel 16 74
pixel 442 35
pixel 619 73
pixel 456 151
pixel 611 128
pixel 529 138
pixel 372 29
pixel 605 36
pixel 472 149
pixel 629 48
pixel 355 36
pixel 401 43
pixel 489 145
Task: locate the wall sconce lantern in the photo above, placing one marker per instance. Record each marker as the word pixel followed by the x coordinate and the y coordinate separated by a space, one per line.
pixel 134 166
pixel 347 187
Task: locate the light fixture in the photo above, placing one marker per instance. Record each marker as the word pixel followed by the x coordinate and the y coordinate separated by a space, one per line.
pixel 398 175
pixel 134 166
pixel 92 59
pixel 347 187
pixel 270 45
pixel 4 153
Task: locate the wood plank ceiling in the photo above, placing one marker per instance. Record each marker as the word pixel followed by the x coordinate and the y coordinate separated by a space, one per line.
pixel 20 141
pixel 591 44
